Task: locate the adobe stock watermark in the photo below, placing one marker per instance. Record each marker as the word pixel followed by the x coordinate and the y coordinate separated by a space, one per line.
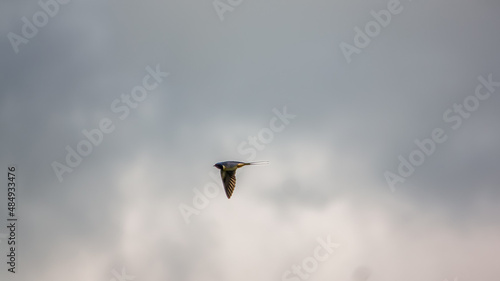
pixel 121 107
pixel 363 38
pixel 266 135
pixel 29 29
pixel 310 264
pixel 454 116
pixel 213 188
pixel 121 276
pixel 223 6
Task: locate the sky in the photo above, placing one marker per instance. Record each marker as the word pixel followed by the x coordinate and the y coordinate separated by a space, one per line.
pixel 379 120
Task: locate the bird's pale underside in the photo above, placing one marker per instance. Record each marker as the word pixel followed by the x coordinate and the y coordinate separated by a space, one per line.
pixel 228 173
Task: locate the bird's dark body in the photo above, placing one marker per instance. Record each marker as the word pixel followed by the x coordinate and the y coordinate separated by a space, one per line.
pixel 228 173
pixel 231 164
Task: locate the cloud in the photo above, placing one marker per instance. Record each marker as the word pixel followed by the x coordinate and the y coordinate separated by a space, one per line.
pixel 120 207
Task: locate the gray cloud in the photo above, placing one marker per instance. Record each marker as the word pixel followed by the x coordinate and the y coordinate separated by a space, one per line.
pixel 120 206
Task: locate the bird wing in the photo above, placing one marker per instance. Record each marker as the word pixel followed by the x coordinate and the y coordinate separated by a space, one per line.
pixel 229 181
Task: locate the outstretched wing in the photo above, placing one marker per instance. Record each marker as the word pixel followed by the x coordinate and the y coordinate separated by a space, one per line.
pixel 229 181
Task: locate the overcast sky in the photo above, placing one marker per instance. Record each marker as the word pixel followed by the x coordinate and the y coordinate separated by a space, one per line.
pixel 379 119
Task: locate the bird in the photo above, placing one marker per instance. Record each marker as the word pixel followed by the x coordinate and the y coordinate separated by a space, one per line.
pixel 228 173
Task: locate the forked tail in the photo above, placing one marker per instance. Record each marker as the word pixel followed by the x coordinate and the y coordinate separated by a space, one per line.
pixel 258 163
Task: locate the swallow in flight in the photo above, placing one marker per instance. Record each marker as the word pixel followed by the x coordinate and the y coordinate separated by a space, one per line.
pixel 228 173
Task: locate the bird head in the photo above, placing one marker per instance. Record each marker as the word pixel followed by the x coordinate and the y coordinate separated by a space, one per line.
pixel 218 166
